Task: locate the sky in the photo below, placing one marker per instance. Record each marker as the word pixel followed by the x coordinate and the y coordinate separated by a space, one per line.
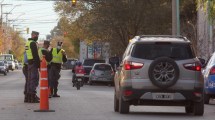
pixel 35 15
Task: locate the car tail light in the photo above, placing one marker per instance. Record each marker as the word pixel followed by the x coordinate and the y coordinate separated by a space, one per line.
pixel 92 72
pixel 197 94
pixel 212 71
pixel 193 66
pixel 128 65
pixel 112 73
pixel 128 93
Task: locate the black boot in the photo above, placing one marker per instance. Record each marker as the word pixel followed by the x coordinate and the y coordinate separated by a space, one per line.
pixel 55 93
pixel 26 99
pixel 51 92
pixel 33 98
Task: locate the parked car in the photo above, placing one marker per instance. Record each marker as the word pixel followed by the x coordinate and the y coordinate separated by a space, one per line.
pixel 16 64
pixel 20 65
pixel 6 64
pixel 3 69
pixel 209 79
pixel 162 71
pixel 101 72
pixel 69 64
pixel 10 59
pixel 88 64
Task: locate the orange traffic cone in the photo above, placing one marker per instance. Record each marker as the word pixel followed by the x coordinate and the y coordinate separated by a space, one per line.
pixel 44 91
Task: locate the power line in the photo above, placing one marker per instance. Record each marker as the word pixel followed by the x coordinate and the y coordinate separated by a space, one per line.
pixel 39 17
pixel 33 4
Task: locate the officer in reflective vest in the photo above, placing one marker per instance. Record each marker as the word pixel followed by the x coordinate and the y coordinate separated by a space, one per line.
pixel 44 51
pixel 33 67
pixel 48 55
pixel 59 57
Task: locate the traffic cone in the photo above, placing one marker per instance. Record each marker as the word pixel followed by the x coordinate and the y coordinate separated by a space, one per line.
pixel 44 91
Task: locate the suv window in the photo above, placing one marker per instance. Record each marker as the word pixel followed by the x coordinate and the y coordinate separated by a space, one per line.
pixel 91 62
pixel 155 50
pixel 102 67
pixel 1 64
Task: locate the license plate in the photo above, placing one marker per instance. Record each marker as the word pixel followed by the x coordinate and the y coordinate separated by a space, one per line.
pixel 79 80
pixel 211 84
pixel 162 96
pixel 80 75
pixel 103 79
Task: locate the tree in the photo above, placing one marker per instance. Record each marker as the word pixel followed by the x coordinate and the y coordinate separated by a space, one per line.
pixel 115 21
pixel 11 42
pixel 188 15
pixel 209 8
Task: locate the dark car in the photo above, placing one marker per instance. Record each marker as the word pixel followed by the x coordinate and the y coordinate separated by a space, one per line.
pixel 88 65
pixel 69 64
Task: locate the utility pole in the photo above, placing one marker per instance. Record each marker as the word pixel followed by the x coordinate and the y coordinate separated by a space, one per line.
pixel 175 17
pixel 7 17
pixel 2 12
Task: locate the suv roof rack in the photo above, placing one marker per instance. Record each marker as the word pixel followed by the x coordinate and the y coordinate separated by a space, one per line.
pixel 169 36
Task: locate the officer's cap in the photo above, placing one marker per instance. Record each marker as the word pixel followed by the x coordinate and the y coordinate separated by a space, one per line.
pixel 35 33
pixel 46 42
pixel 59 43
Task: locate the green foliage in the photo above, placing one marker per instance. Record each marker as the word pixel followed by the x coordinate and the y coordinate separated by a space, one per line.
pixel 117 21
pixel 209 8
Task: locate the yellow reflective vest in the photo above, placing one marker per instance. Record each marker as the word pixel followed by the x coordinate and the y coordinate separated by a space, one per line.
pixel 40 53
pixel 57 57
pixel 28 49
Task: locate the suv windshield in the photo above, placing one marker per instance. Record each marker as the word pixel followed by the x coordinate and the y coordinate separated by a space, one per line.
pixel 102 67
pixel 92 62
pixel 155 50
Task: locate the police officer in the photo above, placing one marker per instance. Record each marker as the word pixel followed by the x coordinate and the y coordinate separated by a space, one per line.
pixel 33 67
pixel 59 56
pixel 48 55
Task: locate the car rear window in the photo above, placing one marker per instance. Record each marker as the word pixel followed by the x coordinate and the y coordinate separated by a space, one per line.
pixel 92 62
pixel 155 50
pixel 103 67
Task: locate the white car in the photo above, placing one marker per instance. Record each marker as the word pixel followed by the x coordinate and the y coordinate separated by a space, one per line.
pixel 10 59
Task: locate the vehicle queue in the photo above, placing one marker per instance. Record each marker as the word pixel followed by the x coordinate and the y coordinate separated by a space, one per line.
pixel 97 70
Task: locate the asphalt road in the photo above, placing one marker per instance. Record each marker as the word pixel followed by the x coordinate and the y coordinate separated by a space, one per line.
pixel 90 103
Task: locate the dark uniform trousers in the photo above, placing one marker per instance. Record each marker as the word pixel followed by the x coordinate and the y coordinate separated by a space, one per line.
pixel 25 72
pixel 48 71
pixel 54 76
pixel 33 77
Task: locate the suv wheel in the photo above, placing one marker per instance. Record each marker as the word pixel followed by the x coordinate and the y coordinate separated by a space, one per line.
pixel 123 106
pixel 198 108
pixel 116 103
pixel 206 99
pixel 90 82
pixel 163 72
pixel 189 109
pixel 5 73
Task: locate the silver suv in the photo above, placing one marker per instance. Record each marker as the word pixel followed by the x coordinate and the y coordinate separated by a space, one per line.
pixel 159 71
